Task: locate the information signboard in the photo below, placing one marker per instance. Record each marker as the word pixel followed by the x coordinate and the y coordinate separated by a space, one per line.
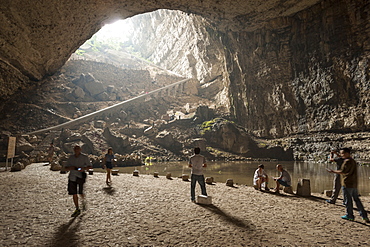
pixel 11 147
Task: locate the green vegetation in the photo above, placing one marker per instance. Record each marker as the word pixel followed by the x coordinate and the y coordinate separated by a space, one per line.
pixel 95 45
pixel 208 125
pixel 80 52
pixel 214 152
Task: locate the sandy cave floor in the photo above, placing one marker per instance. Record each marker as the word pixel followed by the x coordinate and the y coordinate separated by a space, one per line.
pixel 147 211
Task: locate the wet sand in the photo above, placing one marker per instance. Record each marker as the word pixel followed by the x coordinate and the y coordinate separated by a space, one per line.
pixel 148 211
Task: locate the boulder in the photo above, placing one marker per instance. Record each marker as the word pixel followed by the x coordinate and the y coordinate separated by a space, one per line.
pixel 78 93
pixel 116 141
pixel 94 88
pixel 204 113
pixel 74 137
pixel 23 146
pixel 111 89
pixel 100 124
pixel 135 173
pixel 32 139
pixel 88 146
pixel 166 139
pixel 65 134
pixel 104 96
pixel 230 182
pixel 209 180
pixel 17 167
pixel 55 166
pixel 224 134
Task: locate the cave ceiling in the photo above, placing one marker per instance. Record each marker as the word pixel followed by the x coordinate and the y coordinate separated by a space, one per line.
pixel 37 37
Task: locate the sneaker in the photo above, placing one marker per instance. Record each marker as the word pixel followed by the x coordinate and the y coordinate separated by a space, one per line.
pixel 193 201
pixel 76 213
pixel 366 220
pixel 345 217
pixel 330 201
pixel 267 189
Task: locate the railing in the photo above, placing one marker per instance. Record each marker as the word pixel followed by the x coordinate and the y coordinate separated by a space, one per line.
pixel 93 114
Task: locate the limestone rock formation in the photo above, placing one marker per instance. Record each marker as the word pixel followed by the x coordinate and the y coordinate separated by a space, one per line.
pixel 38 37
pixel 279 67
pixel 298 74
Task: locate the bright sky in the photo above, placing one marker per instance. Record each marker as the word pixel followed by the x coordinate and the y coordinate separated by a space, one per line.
pixel 118 30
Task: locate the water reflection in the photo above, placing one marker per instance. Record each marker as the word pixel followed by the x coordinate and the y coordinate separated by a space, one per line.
pixel 242 172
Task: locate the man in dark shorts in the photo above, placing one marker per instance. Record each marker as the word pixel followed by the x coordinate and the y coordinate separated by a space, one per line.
pixel 77 164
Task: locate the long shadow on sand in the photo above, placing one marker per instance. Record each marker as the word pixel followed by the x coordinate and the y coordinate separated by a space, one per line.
pixel 109 190
pixel 318 199
pixel 66 234
pixel 228 218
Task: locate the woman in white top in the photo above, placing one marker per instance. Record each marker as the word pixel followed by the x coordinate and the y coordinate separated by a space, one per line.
pixel 260 176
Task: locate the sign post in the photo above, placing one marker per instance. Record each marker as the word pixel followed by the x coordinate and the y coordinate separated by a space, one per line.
pixel 11 150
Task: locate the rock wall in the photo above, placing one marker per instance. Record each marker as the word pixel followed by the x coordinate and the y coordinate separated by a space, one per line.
pixel 186 44
pixel 284 67
pixel 38 37
pixel 303 74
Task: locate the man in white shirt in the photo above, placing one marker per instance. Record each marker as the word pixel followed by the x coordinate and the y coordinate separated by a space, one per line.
pixel 77 164
pixel 197 162
pixel 260 177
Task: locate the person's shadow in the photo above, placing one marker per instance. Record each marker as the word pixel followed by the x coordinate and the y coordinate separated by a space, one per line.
pixel 109 190
pixel 66 234
pixel 228 218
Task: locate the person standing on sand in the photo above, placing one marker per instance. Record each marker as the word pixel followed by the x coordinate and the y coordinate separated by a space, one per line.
pixel 197 162
pixel 336 182
pixel 283 180
pixel 260 177
pixel 77 164
pixel 109 158
pixel 349 182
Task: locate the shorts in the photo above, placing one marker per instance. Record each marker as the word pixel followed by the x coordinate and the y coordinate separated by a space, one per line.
pixel 109 165
pixel 283 183
pixel 72 186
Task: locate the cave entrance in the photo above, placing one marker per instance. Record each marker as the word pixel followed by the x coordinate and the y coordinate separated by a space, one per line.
pixel 149 51
pixel 132 58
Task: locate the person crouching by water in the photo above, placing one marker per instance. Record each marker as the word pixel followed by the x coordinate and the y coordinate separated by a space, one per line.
pixel 77 164
pixel 260 177
pixel 109 158
pixel 197 162
pixel 283 180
